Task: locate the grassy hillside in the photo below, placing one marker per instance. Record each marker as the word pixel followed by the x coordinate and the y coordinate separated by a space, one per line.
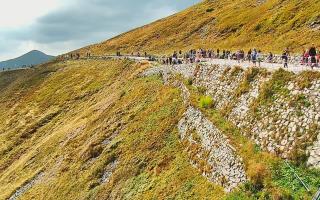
pixel 270 26
pixel 95 130
pixel 70 120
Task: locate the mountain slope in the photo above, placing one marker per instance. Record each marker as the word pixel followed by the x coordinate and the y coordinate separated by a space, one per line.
pixel 269 25
pixel 102 129
pixel 93 130
pixel 31 58
pixel 97 129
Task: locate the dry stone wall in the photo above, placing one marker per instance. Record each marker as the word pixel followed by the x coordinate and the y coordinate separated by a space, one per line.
pixel 225 167
pixel 208 148
pixel 288 126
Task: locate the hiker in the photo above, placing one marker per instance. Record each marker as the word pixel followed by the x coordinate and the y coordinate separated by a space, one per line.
pixel 318 57
pixel 238 55
pixel 145 54
pixel 175 58
pixel 175 55
pixel 285 58
pixel 270 57
pixel 198 56
pixel 259 58
pixel 223 54
pixel 313 54
pixel 170 60
pixel 254 57
pixel 249 55
pixel 242 55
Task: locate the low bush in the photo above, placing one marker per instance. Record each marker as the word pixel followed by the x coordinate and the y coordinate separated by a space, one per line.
pixel 206 102
pixel 209 10
pixel 257 172
pixel 189 81
pixel 236 70
pixel 306 78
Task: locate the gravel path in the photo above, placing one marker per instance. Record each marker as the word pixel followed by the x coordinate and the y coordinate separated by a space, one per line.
pixel 296 68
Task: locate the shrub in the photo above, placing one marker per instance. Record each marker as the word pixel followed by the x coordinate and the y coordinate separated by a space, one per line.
pixel 196 137
pixel 236 70
pixel 226 71
pixel 276 85
pixel 258 27
pixel 189 81
pixel 298 157
pixel 209 10
pixel 299 101
pixel 306 78
pixel 257 173
pixel 202 90
pixel 251 73
pixel 122 94
pixel 206 102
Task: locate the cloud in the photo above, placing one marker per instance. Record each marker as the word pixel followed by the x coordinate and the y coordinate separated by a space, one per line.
pixel 82 22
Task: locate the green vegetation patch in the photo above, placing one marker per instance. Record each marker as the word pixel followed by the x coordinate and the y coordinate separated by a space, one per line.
pixel 206 102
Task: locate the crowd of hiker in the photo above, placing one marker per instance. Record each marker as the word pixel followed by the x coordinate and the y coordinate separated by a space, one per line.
pixel 310 57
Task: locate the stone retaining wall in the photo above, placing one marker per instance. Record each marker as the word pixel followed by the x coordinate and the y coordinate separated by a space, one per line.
pixel 282 127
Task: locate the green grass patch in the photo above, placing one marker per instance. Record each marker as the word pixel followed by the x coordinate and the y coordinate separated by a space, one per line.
pixel 206 102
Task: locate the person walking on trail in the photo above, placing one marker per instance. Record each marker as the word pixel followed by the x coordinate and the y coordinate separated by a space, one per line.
pixel 238 56
pixel 198 56
pixel 254 57
pixel 249 55
pixel 313 54
pixel 318 57
pixel 170 60
pixel 270 57
pixel 285 56
pixel 259 58
pixel 242 55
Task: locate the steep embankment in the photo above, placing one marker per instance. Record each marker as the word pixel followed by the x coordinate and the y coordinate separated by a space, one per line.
pixel 254 110
pixel 267 25
pixel 93 129
pixel 98 129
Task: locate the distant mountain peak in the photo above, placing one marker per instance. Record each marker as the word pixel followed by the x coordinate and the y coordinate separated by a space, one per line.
pixel 34 57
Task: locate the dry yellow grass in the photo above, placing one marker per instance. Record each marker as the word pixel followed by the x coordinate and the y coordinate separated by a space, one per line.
pixel 55 118
pixel 244 24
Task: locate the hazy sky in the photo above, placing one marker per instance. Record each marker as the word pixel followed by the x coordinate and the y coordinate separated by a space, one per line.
pixel 58 26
